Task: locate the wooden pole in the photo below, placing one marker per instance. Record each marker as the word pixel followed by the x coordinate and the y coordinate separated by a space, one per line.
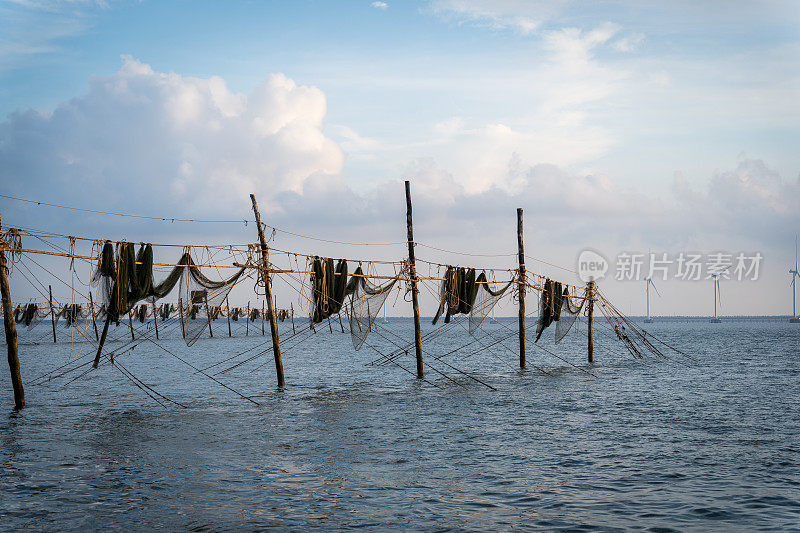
pixel 590 295
pixel 94 320
pixel 521 260
pixel 228 312
pixel 329 324
pixel 155 318
pixel 180 311
pixel 208 317
pixel 340 322
pixel 102 341
pixel 11 334
pixel 292 306
pixel 247 321
pixel 52 312
pixel 413 277
pixel 130 323
pixel 273 326
pixel 262 318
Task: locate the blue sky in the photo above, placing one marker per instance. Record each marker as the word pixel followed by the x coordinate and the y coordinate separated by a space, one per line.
pixel 622 125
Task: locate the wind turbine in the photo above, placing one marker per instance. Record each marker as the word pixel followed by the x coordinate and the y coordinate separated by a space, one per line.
pixel 649 281
pixel 794 274
pixel 717 296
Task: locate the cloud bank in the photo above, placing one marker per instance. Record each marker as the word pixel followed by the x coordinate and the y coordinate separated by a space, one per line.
pixel 169 142
pixel 169 145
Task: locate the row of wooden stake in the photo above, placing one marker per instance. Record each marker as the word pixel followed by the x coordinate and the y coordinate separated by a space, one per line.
pixel 11 331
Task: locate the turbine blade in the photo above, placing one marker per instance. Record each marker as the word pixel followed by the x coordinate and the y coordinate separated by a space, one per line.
pixel 656 288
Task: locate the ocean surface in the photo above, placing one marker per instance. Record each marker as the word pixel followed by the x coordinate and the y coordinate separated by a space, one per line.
pixel 710 442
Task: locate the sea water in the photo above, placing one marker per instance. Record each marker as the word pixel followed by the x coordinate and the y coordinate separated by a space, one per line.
pixel 710 442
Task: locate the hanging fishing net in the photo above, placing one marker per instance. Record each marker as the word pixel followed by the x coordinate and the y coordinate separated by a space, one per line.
pixel 124 278
pixel 486 298
pixel 364 306
pixel 29 315
pixel 570 311
pixel 549 306
pixel 329 287
pixel 199 300
pixel 457 292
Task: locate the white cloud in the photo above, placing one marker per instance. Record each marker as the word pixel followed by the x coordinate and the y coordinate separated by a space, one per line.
pixel 752 201
pixel 36 27
pixel 380 5
pixel 629 43
pixel 523 16
pixel 170 142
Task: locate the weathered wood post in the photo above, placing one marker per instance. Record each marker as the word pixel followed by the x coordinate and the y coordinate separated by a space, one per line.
pixel 11 332
pixel 94 319
pixel 228 312
pixel 247 321
pixel 208 317
pixel 155 318
pixel 293 330
pixel 590 295
pixel 52 312
pixel 180 313
pixel 329 324
pixel 130 323
pixel 412 270
pixel 102 340
pixel 273 326
pixel 262 318
pixel 521 260
pixel 340 321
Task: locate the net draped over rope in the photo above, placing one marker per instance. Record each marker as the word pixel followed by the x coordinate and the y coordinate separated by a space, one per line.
pixel 457 293
pixel 331 288
pixel 126 277
pixel 570 311
pixel 365 304
pixel 464 292
pixel 485 300
pixel 549 306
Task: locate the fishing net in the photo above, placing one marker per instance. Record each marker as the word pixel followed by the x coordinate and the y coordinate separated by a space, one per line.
pixel 570 311
pixel 486 298
pixel 199 300
pixel 364 306
pixel 29 315
pixel 329 287
pixel 124 278
pixel 549 306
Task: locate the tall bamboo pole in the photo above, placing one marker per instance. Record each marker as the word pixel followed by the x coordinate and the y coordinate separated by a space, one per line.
pixel 413 277
pixel 52 312
pixel 590 295
pixel 208 316
pixel 102 340
pixel 228 312
pixel 273 326
pixel 130 323
pixel 521 260
pixel 155 318
pixel 11 334
pixel 180 312
pixel 94 319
